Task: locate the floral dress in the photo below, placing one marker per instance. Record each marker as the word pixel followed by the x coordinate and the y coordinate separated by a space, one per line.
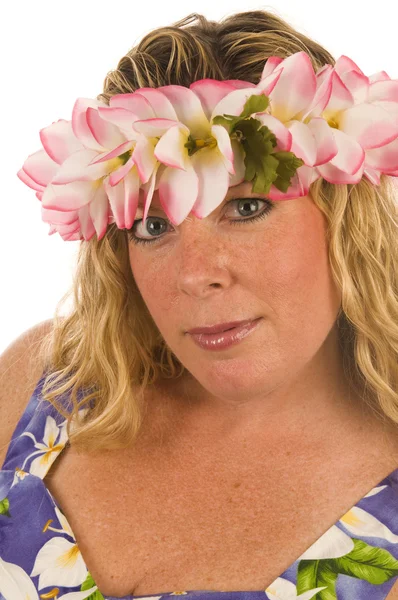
pixel 355 559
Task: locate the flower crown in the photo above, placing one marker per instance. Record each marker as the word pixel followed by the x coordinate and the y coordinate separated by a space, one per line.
pixel 295 126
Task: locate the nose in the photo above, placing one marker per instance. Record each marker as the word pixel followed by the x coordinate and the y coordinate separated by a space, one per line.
pixel 203 262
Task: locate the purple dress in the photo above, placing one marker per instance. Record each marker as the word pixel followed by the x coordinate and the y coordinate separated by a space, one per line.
pixel 355 559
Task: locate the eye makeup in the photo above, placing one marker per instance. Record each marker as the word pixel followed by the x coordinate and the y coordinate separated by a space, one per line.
pixel 265 211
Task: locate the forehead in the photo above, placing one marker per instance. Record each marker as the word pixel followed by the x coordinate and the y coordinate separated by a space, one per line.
pixel 242 188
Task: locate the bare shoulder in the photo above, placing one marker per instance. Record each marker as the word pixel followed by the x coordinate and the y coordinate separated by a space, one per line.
pixel 20 369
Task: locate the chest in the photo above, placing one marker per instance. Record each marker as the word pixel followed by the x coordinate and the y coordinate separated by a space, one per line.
pixel 150 526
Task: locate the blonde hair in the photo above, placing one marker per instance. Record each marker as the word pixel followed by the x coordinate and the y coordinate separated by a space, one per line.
pixel 108 346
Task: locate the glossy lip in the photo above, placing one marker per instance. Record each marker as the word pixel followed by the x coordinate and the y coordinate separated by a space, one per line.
pixel 224 339
pixel 220 327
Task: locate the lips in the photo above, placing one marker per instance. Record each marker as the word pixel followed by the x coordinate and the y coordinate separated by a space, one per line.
pixel 220 327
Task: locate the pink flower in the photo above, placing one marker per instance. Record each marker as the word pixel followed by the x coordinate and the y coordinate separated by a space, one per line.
pixel 187 182
pixel 291 96
pixel 92 169
pixel 74 171
pixel 362 113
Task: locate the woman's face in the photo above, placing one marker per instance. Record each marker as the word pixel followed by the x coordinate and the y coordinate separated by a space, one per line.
pixel 209 271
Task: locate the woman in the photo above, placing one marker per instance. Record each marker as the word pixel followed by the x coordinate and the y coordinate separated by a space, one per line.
pixel 260 461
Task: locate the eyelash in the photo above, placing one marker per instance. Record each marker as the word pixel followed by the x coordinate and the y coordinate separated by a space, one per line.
pixel 267 209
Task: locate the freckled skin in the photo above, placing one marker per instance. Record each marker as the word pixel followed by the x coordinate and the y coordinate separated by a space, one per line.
pixel 207 271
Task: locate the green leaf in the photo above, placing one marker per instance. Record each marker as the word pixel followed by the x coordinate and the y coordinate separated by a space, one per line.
pixel 228 121
pixel 375 565
pixel 89 583
pixel 264 167
pixel 255 104
pixel 313 574
pixel 287 167
pixel 4 506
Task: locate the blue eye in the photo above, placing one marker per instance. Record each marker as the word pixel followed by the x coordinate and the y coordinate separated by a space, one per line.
pixel 153 222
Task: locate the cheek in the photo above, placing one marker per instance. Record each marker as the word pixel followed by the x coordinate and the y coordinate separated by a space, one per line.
pixel 152 280
pixel 298 281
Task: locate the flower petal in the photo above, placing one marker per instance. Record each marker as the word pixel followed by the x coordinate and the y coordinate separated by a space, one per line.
pixel 344 64
pixel 370 125
pixel 68 197
pixel 353 78
pixel 270 65
pixel 150 186
pixel 384 158
pixel 113 153
pixel 299 186
pixel 188 108
pixel 59 563
pixel 116 201
pixel 59 141
pixel 357 84
pixel 239 164
pixel 361 523
pixel 131 196
pixel 379 76
pixel 170 149
pixel 67 234
pixel 99 211
pixel 334 175
pixel 213 181
pixel 321 96
pixel 105 133
pixel 391 108
pixel 144 157
pixel 58 217
pixel 15 583
pixel 283 588
pixel 121 117
pixel 79 122
pixel 160 104
pixel 234 102
pixel 303 142
pixel 224 146
pixel 267 84
pixel 324 140
pixel 350 155
pixel 156 127
pixel 87 228
pixel 334 543
pixel 178 191
pixel 340 98
pixel 282 133
pixel 307 176
pixel 322 73
pixel 77 167
pixel 135 103
pixel 40 168
pixel 210 92
pixel 118 174
pixel 295 88
pixel 372 174
pixel 24 177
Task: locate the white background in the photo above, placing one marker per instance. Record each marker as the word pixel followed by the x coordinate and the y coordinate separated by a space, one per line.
pixel 53 52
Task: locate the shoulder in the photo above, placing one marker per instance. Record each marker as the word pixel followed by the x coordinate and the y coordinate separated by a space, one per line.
pixel 21 366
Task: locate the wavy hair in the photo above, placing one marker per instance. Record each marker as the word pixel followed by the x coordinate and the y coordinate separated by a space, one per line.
pixel 108 345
